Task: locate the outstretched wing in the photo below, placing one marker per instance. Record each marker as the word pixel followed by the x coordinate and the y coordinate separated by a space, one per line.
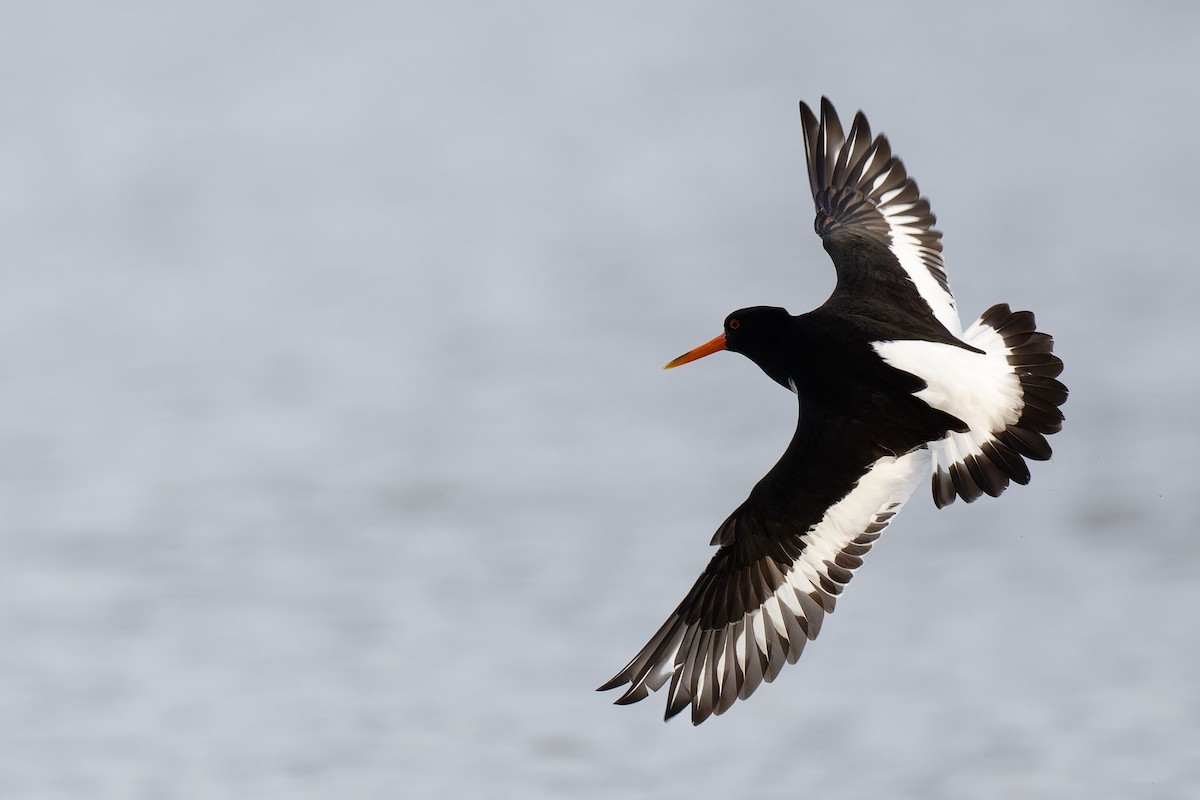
pixel 874 223
pixel 784 557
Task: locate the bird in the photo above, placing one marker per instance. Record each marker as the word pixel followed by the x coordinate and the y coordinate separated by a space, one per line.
pixel 891 390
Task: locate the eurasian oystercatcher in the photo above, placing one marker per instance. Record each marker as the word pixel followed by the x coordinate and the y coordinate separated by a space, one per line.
pixel 890 388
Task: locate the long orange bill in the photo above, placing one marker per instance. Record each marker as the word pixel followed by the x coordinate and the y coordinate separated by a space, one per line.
pixel 706 349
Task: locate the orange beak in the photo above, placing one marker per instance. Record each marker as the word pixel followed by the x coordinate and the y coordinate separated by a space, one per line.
pixel 706 349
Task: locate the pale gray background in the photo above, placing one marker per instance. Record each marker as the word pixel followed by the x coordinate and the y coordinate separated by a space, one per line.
pixel 336 459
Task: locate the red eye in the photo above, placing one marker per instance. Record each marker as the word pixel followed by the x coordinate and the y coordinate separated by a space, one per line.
pixel 734 324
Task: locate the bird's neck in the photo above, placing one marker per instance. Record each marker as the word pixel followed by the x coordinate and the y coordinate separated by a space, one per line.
pixel 775 367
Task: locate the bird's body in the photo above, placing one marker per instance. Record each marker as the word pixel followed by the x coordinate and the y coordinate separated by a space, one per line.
pixel 891 390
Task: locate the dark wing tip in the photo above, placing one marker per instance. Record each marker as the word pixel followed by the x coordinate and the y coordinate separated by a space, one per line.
pixel 616 681
pixel 811 127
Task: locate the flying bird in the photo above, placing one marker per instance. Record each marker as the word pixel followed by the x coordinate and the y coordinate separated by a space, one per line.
pixel 891 390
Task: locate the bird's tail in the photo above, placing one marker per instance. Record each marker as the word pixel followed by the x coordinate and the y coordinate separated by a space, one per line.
pixel 985 458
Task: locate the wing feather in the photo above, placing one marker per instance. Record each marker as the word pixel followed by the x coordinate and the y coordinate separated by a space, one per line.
pixel 765 593
pixel 866 201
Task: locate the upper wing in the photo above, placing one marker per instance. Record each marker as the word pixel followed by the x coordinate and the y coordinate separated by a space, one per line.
pixel 872 218
pixel 785 555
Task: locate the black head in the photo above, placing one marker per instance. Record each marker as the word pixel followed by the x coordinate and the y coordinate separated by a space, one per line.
pixel 756 331
pixel 759 333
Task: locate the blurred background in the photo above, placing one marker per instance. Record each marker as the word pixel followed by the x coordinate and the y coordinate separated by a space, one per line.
pixel 336 459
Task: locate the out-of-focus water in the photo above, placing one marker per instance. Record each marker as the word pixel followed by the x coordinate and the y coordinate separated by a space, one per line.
pixel 336 460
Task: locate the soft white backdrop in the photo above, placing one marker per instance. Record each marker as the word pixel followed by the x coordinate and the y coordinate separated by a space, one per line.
pixel 336 459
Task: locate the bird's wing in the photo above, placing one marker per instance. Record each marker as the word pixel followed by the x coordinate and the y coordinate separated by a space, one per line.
pixel 874 223
pixel 784 557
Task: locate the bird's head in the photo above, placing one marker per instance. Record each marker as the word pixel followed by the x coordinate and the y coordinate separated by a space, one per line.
pixel 759 333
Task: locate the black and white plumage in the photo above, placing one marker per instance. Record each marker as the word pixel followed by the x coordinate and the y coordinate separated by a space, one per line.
pixel 891 391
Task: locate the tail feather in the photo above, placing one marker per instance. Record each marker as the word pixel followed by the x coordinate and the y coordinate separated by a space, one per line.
pixel 978 462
